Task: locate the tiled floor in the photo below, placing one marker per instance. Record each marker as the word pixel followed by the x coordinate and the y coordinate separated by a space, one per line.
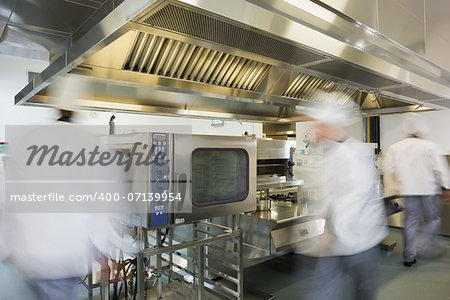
pixel 288 276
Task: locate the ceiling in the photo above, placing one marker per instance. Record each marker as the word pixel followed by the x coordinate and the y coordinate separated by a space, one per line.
pixel 247 60
pixel 44 25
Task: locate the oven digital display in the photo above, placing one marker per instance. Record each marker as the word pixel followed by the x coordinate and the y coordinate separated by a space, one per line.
pixel 219 176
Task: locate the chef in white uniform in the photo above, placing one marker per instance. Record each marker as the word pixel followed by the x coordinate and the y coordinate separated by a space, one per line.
pixel 418 169
pixel 351 205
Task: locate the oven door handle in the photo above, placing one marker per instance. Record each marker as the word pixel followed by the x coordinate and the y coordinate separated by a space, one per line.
pixel 180 188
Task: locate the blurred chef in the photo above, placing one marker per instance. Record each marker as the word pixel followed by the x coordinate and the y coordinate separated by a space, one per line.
pixel 417 167
pixel 351 206
pixel 52 249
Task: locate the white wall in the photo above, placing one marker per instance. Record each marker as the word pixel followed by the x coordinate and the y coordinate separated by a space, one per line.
pixel 14 76
pixel 438 121
pixel 391 130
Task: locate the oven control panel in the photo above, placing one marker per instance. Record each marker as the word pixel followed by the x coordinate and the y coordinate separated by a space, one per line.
pixel 160 179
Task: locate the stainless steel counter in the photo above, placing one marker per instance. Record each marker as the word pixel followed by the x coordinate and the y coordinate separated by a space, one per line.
pixel 279 185
pixel 283 212
pixel 275 231
pixel 280 229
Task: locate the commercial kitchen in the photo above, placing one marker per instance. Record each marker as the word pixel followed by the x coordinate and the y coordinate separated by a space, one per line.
pixel 218 99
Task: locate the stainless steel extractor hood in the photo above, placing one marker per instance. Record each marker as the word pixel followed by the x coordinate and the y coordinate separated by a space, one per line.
pixel 248 60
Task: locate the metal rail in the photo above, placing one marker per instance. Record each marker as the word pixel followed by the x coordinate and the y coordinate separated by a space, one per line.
pixel 199 259
pixel 221 237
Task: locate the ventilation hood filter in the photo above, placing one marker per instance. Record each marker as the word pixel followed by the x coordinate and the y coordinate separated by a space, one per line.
pixel 189 21
pixel 316 89
pixel 175 59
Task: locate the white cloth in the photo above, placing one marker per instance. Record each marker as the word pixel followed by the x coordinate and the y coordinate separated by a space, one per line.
pixel 352 207
pixel 415 166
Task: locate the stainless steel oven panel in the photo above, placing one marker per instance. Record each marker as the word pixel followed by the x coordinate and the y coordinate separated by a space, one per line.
pixel 183 172
pixel 147 180
pixel 274 149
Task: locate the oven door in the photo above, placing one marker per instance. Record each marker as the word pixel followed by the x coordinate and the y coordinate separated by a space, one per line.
pixel 213 176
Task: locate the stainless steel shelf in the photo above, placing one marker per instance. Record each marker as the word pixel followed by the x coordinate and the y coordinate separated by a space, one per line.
pixel 279 185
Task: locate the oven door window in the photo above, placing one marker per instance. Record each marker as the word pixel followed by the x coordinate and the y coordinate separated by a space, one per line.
pixel 219 176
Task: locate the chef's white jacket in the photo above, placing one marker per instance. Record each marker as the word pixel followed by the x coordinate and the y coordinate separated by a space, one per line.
pixel 415 166
pixel 353 210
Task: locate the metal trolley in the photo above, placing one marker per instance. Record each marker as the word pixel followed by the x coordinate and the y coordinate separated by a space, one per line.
pixel 196 260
